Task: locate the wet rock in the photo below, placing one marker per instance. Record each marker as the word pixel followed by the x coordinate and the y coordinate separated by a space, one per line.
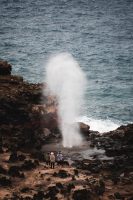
pixel 5 180
pixel 5 68
pixel 81 194
pixel 84 128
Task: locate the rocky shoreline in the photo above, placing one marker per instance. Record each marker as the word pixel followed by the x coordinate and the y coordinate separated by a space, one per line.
pixel 29 126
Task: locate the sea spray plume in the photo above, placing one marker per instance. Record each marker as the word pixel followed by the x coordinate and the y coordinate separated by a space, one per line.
pixel 66 81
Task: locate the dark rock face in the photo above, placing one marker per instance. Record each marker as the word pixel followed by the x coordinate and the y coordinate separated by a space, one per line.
pixel 5 68
pixel 24 119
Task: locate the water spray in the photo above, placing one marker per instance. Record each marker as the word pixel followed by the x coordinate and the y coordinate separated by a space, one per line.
pixel 66 81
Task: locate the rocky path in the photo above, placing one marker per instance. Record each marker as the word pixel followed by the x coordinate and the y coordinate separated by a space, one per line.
pixel 27 178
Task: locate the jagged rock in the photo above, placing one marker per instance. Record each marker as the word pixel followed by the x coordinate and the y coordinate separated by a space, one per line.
pixel 5 68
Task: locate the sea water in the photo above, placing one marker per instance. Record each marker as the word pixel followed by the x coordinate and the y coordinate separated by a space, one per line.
pixel 98 33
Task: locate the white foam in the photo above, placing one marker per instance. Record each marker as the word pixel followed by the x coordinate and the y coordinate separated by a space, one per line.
pixel 100 125
pixel 67 81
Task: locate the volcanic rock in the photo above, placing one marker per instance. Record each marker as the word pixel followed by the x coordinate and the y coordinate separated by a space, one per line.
pixel 84 128
pixel 82 194
pixel 39 196
pixel 5 68
pixel 62 174
pixel 29 164
pixel 15 172
pixel 13 157
pixel 3 170
pixel 5 180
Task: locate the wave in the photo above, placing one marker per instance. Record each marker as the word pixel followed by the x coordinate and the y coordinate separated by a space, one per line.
pixel 100 125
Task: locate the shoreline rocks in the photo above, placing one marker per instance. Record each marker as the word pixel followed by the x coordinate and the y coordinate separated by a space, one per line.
pixel 28 120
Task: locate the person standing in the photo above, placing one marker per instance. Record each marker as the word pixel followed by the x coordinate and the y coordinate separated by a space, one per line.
pixel 59 158
pixel 47 158
pixel 52 160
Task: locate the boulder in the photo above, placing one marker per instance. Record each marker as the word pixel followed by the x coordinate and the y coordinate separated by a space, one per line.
pixel 84 128
pixel 5 68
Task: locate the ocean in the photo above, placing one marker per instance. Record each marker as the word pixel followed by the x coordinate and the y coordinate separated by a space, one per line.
pixel 99 35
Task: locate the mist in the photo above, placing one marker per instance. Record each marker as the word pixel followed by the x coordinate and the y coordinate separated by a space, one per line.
pixel 67 81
